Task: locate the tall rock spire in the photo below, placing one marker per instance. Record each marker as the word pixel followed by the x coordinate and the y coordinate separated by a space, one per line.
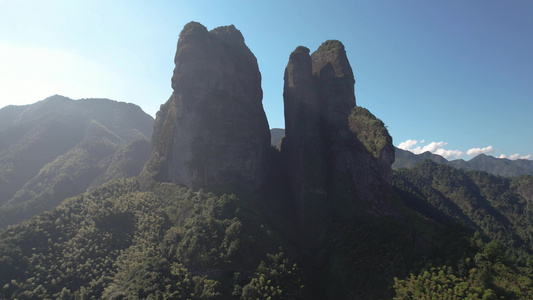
pixel 338 155
pixel 303 142
pixel 335 83
pixel 213 129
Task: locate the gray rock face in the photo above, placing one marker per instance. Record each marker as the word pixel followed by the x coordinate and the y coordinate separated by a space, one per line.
pixel 337 154
pixel 303 145
pixel 276 135
pixel 213 129
pixel 335 84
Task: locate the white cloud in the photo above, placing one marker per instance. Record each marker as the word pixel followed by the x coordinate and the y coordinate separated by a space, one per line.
pixel 407 144
pixel 433 147
pixel 515 156
pixel 449 154
pixel 439 148
pixel 478 151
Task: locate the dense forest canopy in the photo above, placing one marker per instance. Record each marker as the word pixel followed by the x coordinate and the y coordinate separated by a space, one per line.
pixel 172 242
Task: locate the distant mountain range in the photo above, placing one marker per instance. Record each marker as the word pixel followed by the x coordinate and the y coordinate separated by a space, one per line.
pixel 490 164
pixel 59 147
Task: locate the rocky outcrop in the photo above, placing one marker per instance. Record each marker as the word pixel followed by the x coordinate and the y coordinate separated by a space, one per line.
pixel 335 84
pixel 213 130
pixel 276 134
pixel 303 145
pixel 338 155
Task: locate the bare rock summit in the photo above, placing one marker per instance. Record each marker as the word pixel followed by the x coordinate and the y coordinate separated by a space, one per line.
pixel 213 130
pixel 337 155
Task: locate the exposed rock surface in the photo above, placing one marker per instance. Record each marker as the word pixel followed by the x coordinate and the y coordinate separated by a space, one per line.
pixel 335 84
pixel 303 145
pixel 337 158
pixel 213 130
pixel 338 155
pixel 276 134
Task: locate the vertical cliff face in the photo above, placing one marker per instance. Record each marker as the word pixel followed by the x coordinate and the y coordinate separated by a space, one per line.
pixel 213 129
pixel 302 147
pixel 335 84
pixel 338 155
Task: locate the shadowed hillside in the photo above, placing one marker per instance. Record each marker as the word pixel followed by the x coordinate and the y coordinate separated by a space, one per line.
pixel 58 147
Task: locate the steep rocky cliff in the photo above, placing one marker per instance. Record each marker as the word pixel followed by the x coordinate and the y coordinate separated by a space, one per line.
pixel 303 146
pixel 337 158
pixel 213 130
pixel 334 82
pixel 338 155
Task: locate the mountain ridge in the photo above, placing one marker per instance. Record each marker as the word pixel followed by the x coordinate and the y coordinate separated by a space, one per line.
pixel 482 162
pixel 57 147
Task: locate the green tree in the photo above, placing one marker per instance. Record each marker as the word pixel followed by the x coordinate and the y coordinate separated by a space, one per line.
pixel 274 279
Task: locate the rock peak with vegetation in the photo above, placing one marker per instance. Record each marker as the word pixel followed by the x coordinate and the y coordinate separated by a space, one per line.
pixel 213 130
pixel 335 80
pixel 332 146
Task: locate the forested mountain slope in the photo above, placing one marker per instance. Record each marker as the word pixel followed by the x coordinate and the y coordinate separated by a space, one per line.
pixel 497 166
pixel 120 241
pixel 495 208
pixel 59 147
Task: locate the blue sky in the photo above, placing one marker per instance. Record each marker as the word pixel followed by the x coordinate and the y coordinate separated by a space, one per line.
pixel 451 77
